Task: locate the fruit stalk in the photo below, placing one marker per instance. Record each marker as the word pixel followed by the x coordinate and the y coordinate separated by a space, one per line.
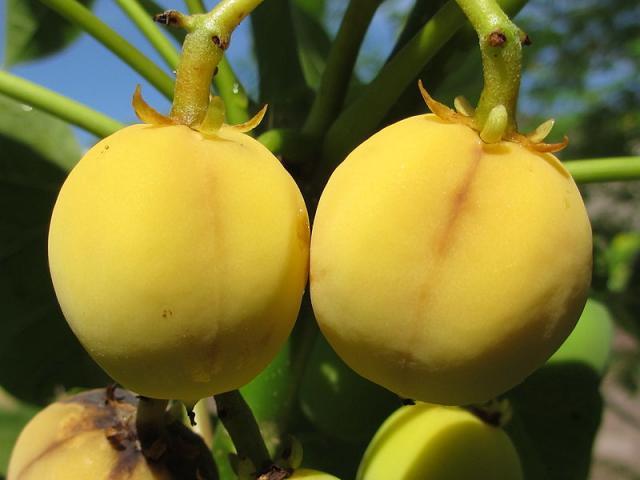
pixel 207 38
pixel 501 49
pixel 243 429
pixel 150 426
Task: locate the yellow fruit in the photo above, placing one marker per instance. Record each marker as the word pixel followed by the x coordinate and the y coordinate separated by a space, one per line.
pixel 68 440
pixel 427 442
pixel 306 474
pixel 179 260
pixel 446 269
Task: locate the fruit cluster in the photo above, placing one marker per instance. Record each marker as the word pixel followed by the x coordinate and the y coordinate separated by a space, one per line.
pixel 447 263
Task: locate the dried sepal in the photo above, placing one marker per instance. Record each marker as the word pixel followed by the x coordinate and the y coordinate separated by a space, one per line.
pixel 537 146
pixel 533 141
pixel 214 119
pixel 463 107
pixel 442 111
pixel 145 112
pixel 252 123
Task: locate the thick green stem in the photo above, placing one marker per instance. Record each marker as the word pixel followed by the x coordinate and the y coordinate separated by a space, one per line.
pixel 339 68
pixel 209 36
pixel 604 169
pixel 58 105
pixel 85 19
pixel 151 426
pixel 243 429
pixel 501 48
pixel 151 31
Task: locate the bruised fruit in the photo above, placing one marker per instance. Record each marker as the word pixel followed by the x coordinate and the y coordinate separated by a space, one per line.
pixel 446 269
pixel 433 442
pixel 179 258
pixel 92 436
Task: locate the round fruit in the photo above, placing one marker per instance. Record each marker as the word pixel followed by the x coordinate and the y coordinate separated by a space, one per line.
pixel 70 439
pixel 179 259
pixel 433 442
pixel 446 269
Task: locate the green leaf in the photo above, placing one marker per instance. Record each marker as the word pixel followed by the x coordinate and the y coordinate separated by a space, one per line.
pixel 13 417
pixel 559 409
pixel 282 83
pixel 38 352
pixel 34 31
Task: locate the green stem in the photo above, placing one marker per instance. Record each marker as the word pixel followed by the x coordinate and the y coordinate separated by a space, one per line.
pixel 604 169
pixel 243 429
pixel 58 105
pixel 209 36
pixel 339 68
pixel 151 31
pixel 203 422
pixel 83 17
pixel 501 50
pixel 151 425
pixel 236 101
pixel 288 142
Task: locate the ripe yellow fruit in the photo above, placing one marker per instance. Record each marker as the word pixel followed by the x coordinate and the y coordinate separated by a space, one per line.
pixel 179 259
pixel 69 440
pixel 422 441
pixel 446 269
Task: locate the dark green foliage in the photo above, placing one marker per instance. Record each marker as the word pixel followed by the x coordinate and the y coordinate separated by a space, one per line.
pixel 35 31
pixel 38 352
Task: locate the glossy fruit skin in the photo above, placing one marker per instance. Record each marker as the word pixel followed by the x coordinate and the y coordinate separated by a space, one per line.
pixel 446 269
pixel 68 440
pixel 433 442
pixel 179 260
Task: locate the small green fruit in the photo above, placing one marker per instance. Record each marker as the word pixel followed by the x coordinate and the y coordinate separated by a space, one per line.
pixel 429 442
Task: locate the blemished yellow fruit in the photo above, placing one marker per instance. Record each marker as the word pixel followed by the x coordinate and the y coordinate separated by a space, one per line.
pixel 179 260
pixel 422 441
pixel 69 440
pixel 446 269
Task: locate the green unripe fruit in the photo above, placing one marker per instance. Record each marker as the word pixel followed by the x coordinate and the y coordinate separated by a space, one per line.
pixel 590 340
pixel 422 441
